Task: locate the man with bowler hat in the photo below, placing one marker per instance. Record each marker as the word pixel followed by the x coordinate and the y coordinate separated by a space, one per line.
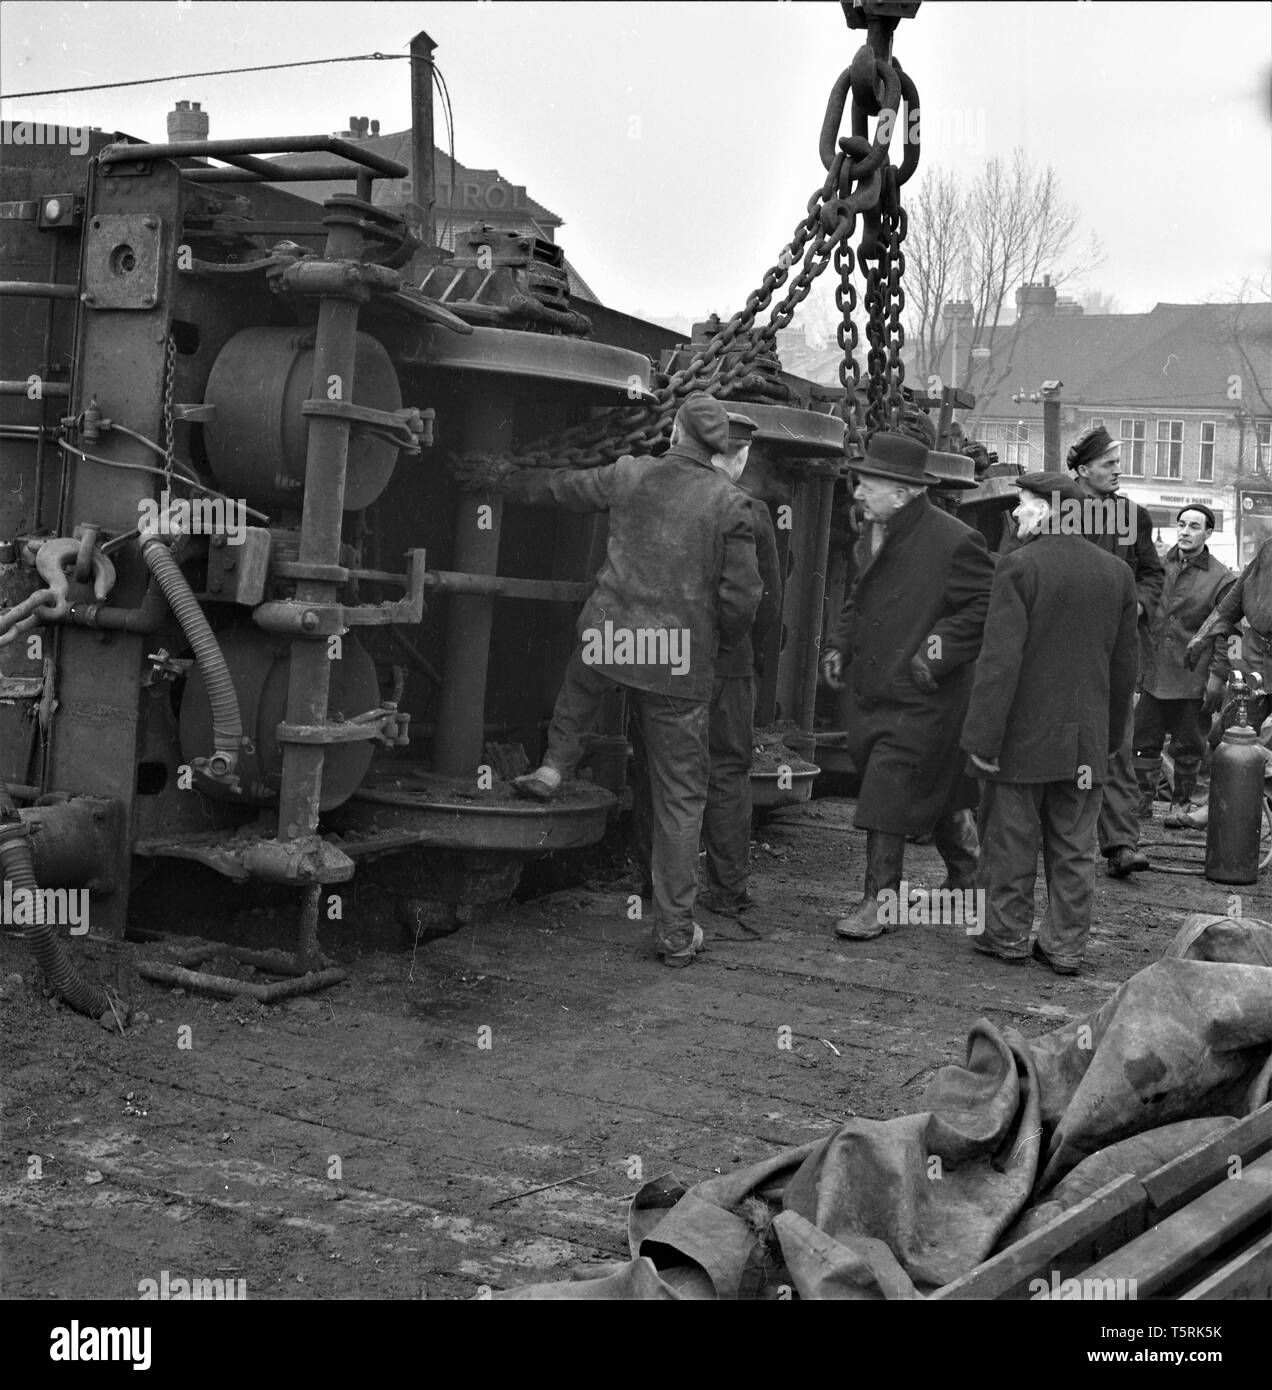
pixel 1052 694
pixel 905 642
pixel 679 578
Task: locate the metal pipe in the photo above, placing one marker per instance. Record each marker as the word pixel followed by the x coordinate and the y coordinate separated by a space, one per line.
pixel 548 590
pixel 423 170
pixel 147 618
pixel 457 748
pixel 36 289
pixel 274 144
pixel 314 173
pixel 326 467
pixel 48 389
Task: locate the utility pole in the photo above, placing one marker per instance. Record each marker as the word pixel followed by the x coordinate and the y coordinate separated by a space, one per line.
pixel 423 209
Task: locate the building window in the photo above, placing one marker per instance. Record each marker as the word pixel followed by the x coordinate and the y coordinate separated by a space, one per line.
pixel 1169 459
pixel 1206 453
pixel 1263 435
pixel 1132 434
pixel 1096 423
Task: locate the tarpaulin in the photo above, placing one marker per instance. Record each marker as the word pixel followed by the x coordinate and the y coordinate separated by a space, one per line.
pixel 896 1208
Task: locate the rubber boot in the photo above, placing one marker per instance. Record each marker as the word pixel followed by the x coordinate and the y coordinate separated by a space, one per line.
pixel 1148 772
pixel 1181 802
pixel 957 842
pixel 885 858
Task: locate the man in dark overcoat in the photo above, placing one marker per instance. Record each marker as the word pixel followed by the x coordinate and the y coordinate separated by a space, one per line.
pixel 679 578
pixel 1124 529
pixel 1051 698
pixel 906 639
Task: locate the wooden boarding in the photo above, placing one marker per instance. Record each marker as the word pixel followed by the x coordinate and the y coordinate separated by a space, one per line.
pixel 1150 1233
pixel 1159 1257
pixel 1247 1275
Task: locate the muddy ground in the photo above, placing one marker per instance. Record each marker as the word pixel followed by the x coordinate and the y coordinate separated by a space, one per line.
pixel 358 1143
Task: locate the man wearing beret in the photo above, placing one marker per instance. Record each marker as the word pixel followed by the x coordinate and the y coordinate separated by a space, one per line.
pixel 1123 529
pixel 1052 692
pixel 906 639
pixel 1173 697
pixel 679 578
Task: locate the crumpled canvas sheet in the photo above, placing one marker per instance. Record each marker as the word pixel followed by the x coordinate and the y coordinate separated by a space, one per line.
pixel 895 1208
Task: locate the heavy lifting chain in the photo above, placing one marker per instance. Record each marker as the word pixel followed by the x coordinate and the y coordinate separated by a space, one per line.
pixel 858 173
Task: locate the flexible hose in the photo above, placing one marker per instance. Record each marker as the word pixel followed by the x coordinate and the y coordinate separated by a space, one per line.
pixel 18 867
pixel 227 724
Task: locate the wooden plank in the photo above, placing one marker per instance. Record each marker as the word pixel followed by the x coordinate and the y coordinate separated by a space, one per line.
pixel 1165 1253
pixel 1247 1275
pixel 1176 1183
pixel 1102 1220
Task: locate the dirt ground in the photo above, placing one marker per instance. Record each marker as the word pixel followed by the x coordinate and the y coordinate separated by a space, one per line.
pixel 360 1143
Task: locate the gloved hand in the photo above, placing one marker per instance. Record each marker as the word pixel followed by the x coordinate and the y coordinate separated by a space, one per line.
pixel 832 668
pixel 1215 688
pixel 921 674
pixel 1192 653
pixel 479 472
pixel 983 764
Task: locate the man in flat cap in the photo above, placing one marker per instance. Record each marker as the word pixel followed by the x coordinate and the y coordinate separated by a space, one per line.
pixel 1173 697
pixel 906 639
pixel 1125 529
pixel 1052 693
pixel 726 820
pixel 679 578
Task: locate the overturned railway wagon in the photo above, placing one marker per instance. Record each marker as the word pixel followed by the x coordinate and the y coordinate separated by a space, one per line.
pixel 253 622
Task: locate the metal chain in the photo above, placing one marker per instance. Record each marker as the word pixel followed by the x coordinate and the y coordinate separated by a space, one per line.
pixel 858 179
pixel 169 373
pixel 846 337
pixel 895 223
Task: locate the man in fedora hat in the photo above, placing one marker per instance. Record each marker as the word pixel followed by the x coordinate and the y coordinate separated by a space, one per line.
pixel 1052 694
pixel 1125 529
pixel 905 642
pixel 679 578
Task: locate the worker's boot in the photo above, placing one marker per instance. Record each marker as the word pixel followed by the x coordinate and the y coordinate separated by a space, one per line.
pixel 957 843
pixel 1148 772
pixel 1181 803
pixel 885 857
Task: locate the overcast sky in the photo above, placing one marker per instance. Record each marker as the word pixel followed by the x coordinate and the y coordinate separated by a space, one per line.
pixel 679 141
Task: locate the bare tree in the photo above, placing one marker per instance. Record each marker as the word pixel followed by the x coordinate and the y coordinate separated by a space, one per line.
pixel 935 255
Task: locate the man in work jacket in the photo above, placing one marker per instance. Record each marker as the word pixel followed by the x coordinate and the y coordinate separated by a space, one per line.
pixel 679 578
pixel 1125 529
pixel 1173 697
pixel 908 634
pixel 1052 691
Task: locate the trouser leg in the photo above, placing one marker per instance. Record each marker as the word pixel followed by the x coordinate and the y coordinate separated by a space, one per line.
pixel 1186 747
pixel 642 811
pixel 1147 738
pixel 675 737
pixel 726 822
pixel 956 842
pixel 583 688
pixel 1009 863
pixel 1069 816
pixel 1118 824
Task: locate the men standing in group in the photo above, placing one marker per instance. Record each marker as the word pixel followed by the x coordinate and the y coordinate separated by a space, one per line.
pixel 679 578
pixel 1052 692
pixel 1173 696
pixel 906 639
pixel 1122 528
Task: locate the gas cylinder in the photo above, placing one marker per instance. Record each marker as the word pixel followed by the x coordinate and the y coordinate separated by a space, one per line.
pixel 1236 797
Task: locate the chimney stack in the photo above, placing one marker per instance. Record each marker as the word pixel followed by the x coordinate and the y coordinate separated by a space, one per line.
pixel 1035 302
pixel 187 121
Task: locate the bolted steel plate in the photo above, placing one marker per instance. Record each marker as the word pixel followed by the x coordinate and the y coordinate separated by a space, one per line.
pixel 540 356
pixel 122 261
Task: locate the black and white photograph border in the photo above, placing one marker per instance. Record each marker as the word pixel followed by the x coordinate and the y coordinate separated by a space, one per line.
pixel 545 628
